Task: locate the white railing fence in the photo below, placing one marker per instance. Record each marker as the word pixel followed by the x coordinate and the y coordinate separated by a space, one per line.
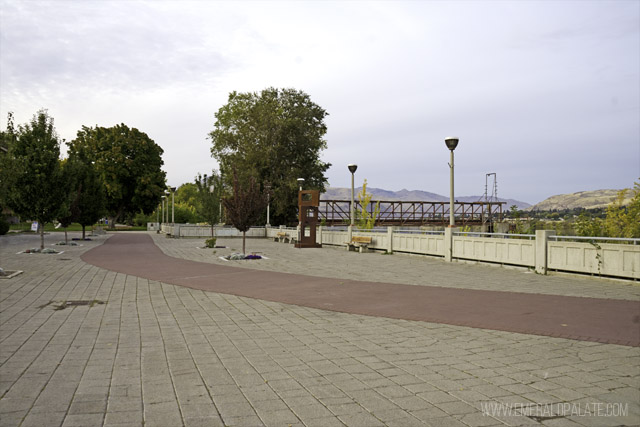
pixel 542 251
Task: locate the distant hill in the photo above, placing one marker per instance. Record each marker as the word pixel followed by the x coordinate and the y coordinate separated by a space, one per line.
pixel 583 199
pixel 340 193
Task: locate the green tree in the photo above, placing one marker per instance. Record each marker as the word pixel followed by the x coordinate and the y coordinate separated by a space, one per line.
pixel 36 189
pixel 208 198
pixel 586 225
pixel 245 206
pixel 366 220
pixel 187 194
pixel 88 202
pixel 621 220
pixel 129 164
pixel 632 226
pixel 275 136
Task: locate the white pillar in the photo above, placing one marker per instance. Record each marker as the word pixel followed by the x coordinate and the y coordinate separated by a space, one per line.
pixel 390 240
pixel 448 243
pixel 542 240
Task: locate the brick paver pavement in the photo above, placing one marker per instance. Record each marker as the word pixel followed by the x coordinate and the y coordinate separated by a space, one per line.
pixel 162 355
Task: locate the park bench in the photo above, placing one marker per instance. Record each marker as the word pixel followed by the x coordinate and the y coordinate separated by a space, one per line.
pixel 360 242
pixel 281 237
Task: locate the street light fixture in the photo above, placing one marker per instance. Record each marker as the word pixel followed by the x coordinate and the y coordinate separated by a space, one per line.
pixel 173 204
pixel 352 168
pixel 300 181
pixel 452 143
pixel 162 212
pixel 267 187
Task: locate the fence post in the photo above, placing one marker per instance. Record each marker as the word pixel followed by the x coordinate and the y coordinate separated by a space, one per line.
pixel 390 240
pixel 320 234
pixel 542 248
pixel 448 243
pixel 349 235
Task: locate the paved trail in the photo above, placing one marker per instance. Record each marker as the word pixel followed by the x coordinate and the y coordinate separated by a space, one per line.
pixel 588 319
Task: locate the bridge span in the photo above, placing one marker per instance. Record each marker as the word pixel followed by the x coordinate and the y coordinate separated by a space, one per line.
pixel 405 213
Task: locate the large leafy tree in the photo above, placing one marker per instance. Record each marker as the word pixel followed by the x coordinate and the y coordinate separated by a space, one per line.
pixel 129 164
pixel 245 205
pixel 35 185
pixel 208 198
pixel 275 136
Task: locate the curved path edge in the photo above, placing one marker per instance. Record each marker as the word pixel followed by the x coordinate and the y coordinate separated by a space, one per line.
pixel 587 319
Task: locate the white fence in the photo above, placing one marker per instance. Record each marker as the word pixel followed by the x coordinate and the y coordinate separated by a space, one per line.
pixel 542 251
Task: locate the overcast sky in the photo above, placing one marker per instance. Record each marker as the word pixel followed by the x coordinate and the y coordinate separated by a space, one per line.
pixel 545 94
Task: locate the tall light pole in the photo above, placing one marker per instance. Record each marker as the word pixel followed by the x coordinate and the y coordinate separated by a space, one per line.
pixel 300 181
pixel 352 168
pixel 173 204
pixel 268 188
pixel 452 143
pixel 162 211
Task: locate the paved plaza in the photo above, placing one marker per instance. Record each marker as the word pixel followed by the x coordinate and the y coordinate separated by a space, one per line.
pixel 143 352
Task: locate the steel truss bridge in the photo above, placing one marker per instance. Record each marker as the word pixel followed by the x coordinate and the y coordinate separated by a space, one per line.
pixel 399 213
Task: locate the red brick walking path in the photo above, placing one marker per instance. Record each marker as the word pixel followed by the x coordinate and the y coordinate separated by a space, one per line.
pixel 588 319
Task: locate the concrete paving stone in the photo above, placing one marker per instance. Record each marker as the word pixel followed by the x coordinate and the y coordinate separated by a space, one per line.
pixel 88 407
pixel 203 422
pixel 235 409
pixel 37 418
pixel 243 421
pixel 281 417
pixel 457 408
pixel 394 392
pixel 360 419
pixel 124 404
pixel 124 417
pixel 83 420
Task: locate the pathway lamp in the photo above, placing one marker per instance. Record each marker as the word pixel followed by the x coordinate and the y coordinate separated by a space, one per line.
pixel 452 143
pixel 267 187
pixel 162 212
pixel 173 204
pixel 352 168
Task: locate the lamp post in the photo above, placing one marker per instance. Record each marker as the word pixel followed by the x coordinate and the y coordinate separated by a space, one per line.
pixel 300 181
pixel 173 204
pixel 352 168
pixel 268 188
pixel 162 212
pixel 211 190
pixel 452 143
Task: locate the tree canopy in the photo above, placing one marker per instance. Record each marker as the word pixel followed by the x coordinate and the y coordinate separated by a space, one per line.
pixel 275 136
pixel 36 187
pixel 245 205
pixel 129 164
pixel 208 198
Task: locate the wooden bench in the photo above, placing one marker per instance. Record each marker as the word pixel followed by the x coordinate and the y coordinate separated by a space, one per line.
pixel 360 242
pixel 281 237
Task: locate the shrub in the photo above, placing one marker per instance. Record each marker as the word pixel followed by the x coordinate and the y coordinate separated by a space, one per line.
pixel 4 226
pixel 210 243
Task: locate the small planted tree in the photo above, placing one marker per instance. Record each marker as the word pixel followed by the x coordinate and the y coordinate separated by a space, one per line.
pixel 208 198
pixel 244 207
pixel 37 188
pixel 366 220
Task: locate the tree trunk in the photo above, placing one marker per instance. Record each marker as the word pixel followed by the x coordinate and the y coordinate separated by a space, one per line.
pixel 66 239
pixel 244 235
pixel 41 225
pixel 83 232
pixel 211 230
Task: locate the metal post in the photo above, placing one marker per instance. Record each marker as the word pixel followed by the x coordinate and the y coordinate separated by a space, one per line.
pixel 452 221
pixel 352 168
pixel 173 206
pixel 352 198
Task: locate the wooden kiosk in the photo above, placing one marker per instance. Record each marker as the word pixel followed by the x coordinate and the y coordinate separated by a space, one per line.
pixel 308 204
